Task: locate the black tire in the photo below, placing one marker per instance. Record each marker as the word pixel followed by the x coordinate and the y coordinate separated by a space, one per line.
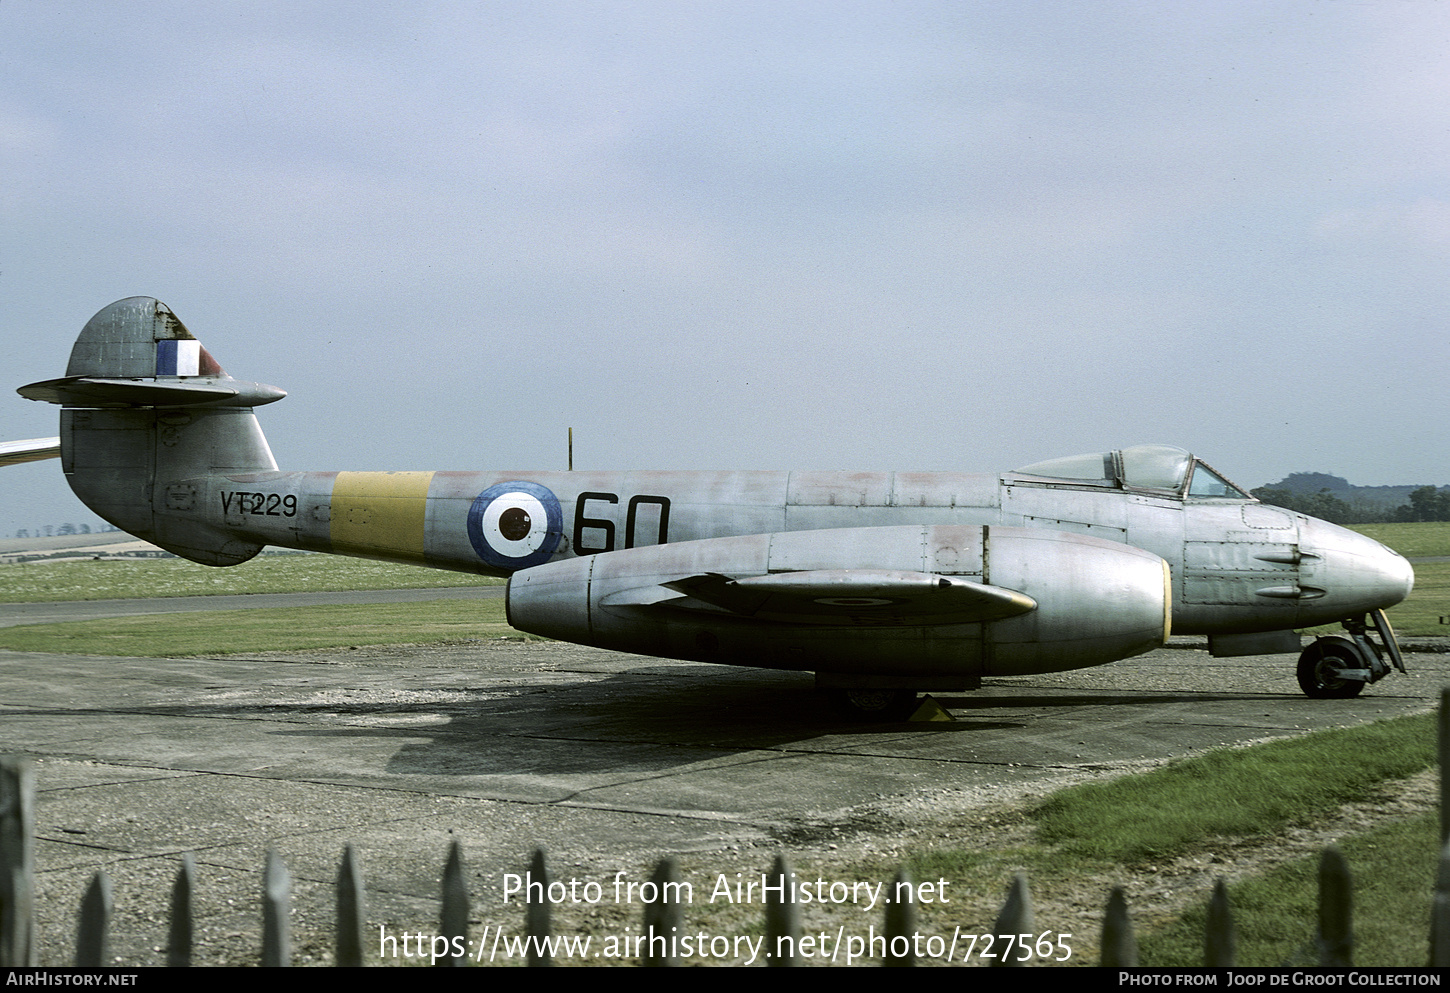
pixel 874 705
pixel 1320 665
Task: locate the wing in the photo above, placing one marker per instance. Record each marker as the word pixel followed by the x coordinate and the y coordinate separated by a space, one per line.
pixel 15 452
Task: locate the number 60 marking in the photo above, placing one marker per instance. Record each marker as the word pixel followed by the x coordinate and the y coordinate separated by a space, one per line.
pixel 583 523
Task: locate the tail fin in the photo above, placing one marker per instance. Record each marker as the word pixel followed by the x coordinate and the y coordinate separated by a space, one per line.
pixel 145 409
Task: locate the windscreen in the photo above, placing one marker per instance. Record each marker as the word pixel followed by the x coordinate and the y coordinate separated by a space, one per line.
pixel 1207 483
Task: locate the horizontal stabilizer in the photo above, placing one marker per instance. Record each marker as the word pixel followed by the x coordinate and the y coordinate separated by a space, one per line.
pixel 93 391
pixel 136 353
pixel 843 596
pixel 34 450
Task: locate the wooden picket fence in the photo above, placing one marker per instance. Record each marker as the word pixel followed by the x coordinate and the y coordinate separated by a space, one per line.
pixel 782 918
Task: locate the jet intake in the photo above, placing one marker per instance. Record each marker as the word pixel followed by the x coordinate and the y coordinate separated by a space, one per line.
pixel 956 602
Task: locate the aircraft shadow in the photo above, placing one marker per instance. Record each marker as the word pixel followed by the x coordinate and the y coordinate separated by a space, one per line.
pixel 641 722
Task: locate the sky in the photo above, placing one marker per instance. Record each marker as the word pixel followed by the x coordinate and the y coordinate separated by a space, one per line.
pixel 896 235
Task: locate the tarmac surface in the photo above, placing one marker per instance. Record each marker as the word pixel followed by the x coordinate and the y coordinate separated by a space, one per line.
pixel 606 760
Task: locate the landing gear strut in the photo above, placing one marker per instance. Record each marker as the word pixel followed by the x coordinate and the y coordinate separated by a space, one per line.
pixel 1336 667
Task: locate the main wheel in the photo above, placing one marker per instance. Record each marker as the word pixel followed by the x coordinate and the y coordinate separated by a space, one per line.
pixel 1321 668
pixel 875 705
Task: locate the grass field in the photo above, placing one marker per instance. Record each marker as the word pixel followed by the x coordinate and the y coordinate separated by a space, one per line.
pixel 1108 830
pixel 1260 790
pixel 1419 616
pixel 1413 541
pixel 112 579
pixel 252 630
pixel 1275 915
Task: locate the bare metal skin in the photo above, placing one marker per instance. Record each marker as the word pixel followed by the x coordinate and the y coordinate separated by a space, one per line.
pixel 877 581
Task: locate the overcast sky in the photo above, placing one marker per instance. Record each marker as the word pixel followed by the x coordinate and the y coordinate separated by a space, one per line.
pixel 749 235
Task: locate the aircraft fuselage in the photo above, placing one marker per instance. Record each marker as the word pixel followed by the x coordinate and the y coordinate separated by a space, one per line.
pixel 1237 565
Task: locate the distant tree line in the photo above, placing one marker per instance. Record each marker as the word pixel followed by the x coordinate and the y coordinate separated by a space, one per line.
pixel 1427 503
pixel 52 530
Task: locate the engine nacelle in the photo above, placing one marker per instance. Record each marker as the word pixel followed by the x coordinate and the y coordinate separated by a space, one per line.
pixel 952 602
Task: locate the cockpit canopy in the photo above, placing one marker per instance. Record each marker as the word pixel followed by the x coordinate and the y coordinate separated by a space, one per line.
pixel 1161 468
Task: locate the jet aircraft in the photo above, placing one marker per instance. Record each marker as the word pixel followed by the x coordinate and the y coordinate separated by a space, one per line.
pixel 881 583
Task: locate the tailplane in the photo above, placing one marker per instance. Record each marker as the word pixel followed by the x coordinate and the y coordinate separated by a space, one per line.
pixel 145 410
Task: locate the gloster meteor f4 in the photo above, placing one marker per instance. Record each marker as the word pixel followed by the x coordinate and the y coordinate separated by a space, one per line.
pixel 881 583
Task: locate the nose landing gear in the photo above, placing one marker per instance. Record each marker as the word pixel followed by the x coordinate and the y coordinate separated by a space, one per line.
pixel 1336 667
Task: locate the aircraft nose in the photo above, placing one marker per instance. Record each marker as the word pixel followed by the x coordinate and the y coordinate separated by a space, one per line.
pixel 1391 577
pixel 1357 572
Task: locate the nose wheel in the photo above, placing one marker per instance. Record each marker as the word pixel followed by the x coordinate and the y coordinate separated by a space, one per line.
pixel 1332 669
pixel 1337 668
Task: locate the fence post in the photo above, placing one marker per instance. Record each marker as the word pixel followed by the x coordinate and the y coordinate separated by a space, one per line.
pixel 1336 910
pixel 454 922
pixel 91 935
pixel 1015 919
pixel 1218 935
pixel 538 916
pixel 178 939
pixel 901 920
pixel 782 918
pixel 662 915
pixel 1440 912
pixel 17 862
pixel 276 910
pixel 351 910
pixel 1119 947
pixel 1443 754
pixel 1440 908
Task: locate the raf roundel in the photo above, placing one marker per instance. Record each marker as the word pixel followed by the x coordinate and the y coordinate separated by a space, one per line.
pixel 515 525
